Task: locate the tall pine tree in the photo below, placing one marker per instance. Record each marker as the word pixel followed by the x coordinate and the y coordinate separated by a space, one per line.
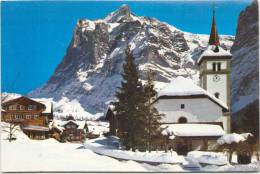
pixel 127 107
pixel 152 126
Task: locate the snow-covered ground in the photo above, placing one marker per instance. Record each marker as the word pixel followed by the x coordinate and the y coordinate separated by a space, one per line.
pixel 108 146
pixel 26 155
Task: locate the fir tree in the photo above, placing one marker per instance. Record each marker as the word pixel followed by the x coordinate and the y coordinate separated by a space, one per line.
pixel 152 126
pixel 127 107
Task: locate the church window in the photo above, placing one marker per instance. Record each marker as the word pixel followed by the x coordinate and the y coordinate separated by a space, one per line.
pixel 216 95
pixel 182 106
pixel 214 66
pixel 182 120
pixel 219 66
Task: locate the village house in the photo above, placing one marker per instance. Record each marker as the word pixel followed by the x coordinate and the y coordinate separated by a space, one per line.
pixel 110 116
pixel 33 116
pixel 70 130
pixel 195 115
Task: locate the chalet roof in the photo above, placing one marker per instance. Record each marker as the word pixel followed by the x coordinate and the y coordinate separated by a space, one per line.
pixel 192 130
pixel 54 124
pixel 80 124
pixel 35 128
pixel 210 53
pixel 44 102
pixel 110 108
pixel 181 86
pixel 22 99
pixel 47 104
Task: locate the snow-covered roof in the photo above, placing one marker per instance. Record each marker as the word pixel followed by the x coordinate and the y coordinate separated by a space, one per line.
pixel 48 105
pixel 35 128
pixel 233 138
pixel 192 130
pixel 181 86
pixel 81 124
pixel 209 52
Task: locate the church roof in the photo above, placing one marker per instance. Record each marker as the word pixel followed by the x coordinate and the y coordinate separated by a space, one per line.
pixel 184 87
pixel 214 50
pixel 211 52
pixel 214 38
pixel 192 130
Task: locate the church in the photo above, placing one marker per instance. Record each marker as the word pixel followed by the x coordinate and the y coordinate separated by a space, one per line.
pixel 195 115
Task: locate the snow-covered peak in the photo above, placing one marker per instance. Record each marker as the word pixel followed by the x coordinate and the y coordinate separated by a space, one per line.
pixel 123 13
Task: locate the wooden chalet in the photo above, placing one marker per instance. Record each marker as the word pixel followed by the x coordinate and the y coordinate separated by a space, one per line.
pixel 33 116
pixel 113 121
pixel 75 130
pixel 69 130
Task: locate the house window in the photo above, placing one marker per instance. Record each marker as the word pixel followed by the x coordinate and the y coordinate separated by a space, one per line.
pixel 182 120
pixel 182 106
pixel 216 95
pixel 12 107
pixel 214 66
pixel 30 107
pixel 18 107
pixel 28 117
pixel 219 66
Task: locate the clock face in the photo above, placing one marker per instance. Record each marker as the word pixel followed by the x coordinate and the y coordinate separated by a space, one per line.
pixel 216 78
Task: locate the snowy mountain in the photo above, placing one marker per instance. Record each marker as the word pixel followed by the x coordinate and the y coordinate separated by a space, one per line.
pixel 245 64
pixel 91 69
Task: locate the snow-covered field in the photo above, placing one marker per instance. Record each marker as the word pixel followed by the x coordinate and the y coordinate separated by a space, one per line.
pixel 26 155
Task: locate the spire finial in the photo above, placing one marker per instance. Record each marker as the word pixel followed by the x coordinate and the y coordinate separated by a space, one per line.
pixel 214 39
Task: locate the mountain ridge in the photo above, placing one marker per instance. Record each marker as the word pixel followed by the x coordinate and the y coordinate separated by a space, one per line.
pixel 90 70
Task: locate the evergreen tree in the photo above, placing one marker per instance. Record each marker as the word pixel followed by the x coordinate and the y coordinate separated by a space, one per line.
pixel 152 126
pixel 127 107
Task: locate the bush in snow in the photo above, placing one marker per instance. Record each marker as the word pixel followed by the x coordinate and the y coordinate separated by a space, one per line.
pixel 239 143
pixel 10 128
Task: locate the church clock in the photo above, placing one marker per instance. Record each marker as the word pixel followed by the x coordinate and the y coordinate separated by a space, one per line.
pixel 216 78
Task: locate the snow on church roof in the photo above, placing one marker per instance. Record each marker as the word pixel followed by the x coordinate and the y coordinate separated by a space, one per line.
pixel 209 52
pixel 192 130
pixel 181 86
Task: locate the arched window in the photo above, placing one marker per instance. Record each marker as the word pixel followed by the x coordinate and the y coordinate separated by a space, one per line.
pixel 216 95
pixel 214 66
pixel 219 66
pixel 182 120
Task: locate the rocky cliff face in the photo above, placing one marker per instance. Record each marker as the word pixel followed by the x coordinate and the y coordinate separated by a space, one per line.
pixel 245 61
pixel 91 68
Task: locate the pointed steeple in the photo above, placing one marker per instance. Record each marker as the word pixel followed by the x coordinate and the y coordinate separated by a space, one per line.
pixel 214 39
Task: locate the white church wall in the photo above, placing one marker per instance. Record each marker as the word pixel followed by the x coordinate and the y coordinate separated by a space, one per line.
pixel 196 110
pixel 220 86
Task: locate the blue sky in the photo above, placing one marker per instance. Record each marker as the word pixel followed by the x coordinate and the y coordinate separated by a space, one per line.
pixel 35 35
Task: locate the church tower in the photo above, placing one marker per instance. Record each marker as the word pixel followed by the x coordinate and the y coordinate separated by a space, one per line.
pixel 214 65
